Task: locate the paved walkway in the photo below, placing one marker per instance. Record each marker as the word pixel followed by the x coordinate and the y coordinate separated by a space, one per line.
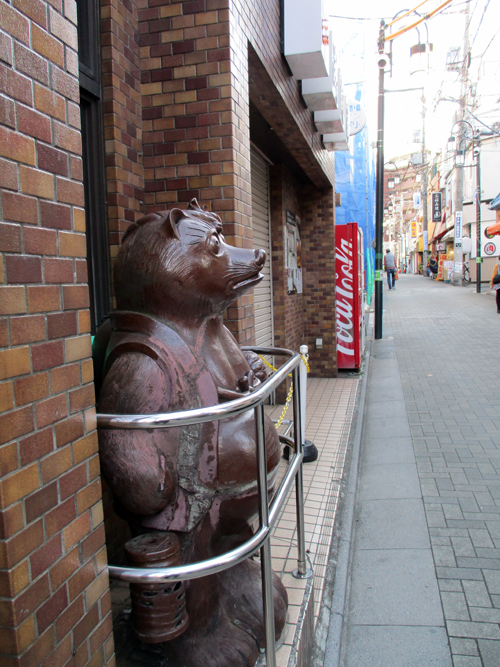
pixel 424 584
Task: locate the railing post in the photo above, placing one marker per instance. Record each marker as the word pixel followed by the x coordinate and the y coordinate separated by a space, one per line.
pixel 301 572
pixel 303 390
pixel 265 551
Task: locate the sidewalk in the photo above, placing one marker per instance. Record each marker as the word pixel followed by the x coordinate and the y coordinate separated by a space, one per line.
pixel 423 573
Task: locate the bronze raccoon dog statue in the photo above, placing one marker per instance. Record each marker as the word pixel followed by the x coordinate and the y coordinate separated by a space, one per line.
pixel 169 350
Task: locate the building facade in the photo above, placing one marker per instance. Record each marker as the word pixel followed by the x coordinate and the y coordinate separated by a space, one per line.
pixel 107 112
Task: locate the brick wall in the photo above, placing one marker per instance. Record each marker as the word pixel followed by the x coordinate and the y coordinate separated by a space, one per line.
pixel 318 252
pixel 198 73
pixel 193 146
pixel 122 116
pixel 54 597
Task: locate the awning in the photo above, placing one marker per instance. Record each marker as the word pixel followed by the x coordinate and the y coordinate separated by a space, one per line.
pixel 440 236
pixel 491 230
pixel 440 229
pixel 450 234
pixel 495 204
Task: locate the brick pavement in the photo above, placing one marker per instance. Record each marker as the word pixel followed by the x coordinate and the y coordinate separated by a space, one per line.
pixel 446 343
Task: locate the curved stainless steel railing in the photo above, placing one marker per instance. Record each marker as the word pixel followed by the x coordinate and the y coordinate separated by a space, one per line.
pixel 268 513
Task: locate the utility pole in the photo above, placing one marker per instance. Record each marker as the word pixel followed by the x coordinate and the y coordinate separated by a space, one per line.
pixel 424 192
pixel 379 207
pixel 459 172
pixel 477 153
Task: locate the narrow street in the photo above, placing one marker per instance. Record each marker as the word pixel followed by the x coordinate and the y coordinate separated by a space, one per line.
pixel 424 567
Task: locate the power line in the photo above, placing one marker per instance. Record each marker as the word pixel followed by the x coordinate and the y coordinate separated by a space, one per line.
pixel 480 22
pixel 491 41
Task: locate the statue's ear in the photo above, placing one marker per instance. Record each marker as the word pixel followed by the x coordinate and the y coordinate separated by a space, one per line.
pixel 172 222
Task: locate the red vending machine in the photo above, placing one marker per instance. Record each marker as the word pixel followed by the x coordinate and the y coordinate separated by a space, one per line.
pixel 350 299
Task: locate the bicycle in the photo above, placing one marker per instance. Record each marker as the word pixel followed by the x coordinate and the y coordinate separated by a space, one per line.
pixel 466 273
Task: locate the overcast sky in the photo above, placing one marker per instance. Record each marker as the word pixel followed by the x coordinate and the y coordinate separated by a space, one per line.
pixel 357 40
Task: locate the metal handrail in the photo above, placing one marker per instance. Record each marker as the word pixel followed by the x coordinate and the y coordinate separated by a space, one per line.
pixel 268 513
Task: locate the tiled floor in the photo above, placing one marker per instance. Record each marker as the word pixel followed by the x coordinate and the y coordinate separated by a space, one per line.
pixel 330 407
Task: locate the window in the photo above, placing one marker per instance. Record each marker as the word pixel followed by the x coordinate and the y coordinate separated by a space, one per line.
pixel 94 178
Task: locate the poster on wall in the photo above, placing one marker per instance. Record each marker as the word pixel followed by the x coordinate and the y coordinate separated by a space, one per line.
pixel 293 256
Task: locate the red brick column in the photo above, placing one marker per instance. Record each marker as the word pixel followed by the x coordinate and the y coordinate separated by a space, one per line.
pixel 318 254
pixel 194 105
pixel 54 595
pixel 122 116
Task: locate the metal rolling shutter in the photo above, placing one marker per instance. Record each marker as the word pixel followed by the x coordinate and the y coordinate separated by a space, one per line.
pixel 263 293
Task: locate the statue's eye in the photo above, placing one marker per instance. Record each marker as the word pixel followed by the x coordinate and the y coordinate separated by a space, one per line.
pixel 214 243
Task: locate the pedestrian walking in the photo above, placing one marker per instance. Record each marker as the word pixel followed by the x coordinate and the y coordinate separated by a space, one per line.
pixel 496 286
pixel 390 267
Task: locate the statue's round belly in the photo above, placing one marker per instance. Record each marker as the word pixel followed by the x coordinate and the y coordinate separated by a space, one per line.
pixel 237 451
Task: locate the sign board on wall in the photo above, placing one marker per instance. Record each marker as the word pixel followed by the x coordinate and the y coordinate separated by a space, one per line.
pixel 306 38
pixel 413 229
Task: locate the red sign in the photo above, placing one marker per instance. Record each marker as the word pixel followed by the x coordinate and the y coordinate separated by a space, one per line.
pixel 440 267
pixel 490 249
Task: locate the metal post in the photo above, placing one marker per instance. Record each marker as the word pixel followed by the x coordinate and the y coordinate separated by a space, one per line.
pixel 301 572
pixel 265 551
pixel 459 207
pixel 478 214
pixel 379 210
pixel 303 391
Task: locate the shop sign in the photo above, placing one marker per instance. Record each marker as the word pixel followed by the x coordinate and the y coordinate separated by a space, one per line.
pixel 426 240
pixel 437 206
pixel 306 38
pixel 413 229
pixel 442 259
pixel 490 248
pixel 458 225
pixel 416 200
pixel 441 247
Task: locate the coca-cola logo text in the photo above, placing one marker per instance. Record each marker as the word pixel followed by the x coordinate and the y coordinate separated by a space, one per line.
pixel 345 298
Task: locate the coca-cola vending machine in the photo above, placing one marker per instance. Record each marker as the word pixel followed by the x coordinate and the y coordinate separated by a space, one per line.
pixel 350 295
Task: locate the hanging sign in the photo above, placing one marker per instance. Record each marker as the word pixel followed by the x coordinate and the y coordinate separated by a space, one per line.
pixel 357 117
pixel 413 229
pixel 437 206
pixel 416 200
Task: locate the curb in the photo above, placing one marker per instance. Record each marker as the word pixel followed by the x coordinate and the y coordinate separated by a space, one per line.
pixel 327 653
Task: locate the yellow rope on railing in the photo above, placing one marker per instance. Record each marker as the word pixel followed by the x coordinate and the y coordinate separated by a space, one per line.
pixel 290 392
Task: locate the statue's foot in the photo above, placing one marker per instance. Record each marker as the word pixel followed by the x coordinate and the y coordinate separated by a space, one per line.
pixel 235 634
